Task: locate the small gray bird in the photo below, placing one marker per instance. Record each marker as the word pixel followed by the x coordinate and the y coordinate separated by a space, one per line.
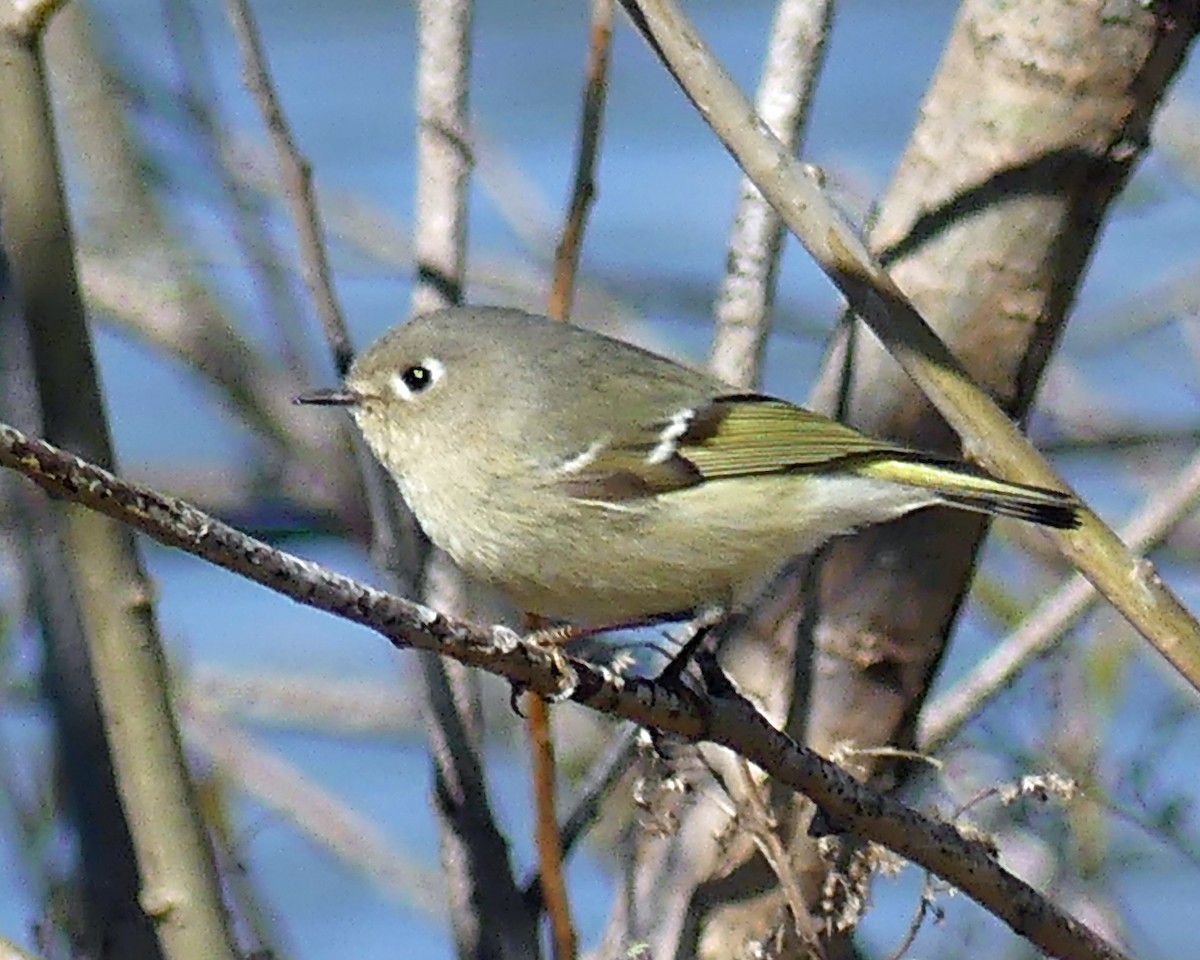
pixel 595 482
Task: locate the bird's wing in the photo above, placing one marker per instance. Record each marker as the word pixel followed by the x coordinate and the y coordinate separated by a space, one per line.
pixel 731 436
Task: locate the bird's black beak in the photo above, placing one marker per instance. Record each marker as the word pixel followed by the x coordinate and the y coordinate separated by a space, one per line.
pixel 334 397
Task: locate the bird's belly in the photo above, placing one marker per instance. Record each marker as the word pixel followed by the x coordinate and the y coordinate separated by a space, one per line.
pixel 599 564
pixel 645 582
pixel 602 565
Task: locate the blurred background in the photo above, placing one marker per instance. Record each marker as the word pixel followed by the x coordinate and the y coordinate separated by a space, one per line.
pixel 168 163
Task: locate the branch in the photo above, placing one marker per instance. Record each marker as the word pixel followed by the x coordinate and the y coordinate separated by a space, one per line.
pixel 547 841
pixel 943 718
pixel 313 811
pixel 296 173
pixel 486 909
pixel 597 783
pixel 552 882
pixel 583 190
pixel 171 904
pixel 728 719
pixel 444 156
pixel 795 52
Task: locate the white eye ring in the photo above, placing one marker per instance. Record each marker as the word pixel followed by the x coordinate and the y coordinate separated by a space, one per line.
pixel 418 378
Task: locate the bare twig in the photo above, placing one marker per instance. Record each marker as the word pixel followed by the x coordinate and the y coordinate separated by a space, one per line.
pixel 945 716
pixel 486 905
pixel 178 899
pixel 925 905
pixel 1129 582
pixel 552 880
pixel 276 784
pixel 603 774
pixel 298 186
pixel 583 192
pixel 795 52
pixel 725 719
pixel 317 702
pixel 270 277
pixel 764 830
pixel 296 174
pixel 443 152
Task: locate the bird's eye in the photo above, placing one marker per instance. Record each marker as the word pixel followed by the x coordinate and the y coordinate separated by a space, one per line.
pixel 417 379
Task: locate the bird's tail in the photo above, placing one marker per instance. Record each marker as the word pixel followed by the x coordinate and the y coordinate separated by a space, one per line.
pixel 961 485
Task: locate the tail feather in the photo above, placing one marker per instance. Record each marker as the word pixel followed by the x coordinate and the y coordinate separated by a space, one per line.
pixel 964 486
pixel 1061 515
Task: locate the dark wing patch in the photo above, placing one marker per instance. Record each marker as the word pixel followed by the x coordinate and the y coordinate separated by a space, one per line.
pixel 624 474
pixel 751 434
pixel 732 436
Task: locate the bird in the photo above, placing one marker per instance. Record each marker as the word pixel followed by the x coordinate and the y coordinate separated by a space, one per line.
pixel 597 483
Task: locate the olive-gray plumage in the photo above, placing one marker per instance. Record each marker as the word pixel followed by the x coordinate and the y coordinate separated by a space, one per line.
pixel 596 482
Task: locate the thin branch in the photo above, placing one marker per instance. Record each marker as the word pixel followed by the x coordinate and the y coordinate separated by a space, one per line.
pixel 279 786
pixel 298 185
pixel 486 907
pixel 444 157
pixel 551 882
pixel 764 831
pixel 268 274
pixel 546 835
pixel 174 896
pixel 604 773
pixel 314 702
pixel 726 718
pixel 795 52
pixel 1130 583
pixel 296 175
pixel 583 192
pixel 945 716
pixel 925 906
